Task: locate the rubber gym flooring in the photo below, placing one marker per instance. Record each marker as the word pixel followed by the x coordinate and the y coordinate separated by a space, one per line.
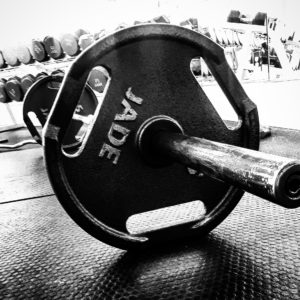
pixel 253 254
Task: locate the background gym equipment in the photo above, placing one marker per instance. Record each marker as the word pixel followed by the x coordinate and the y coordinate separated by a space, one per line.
pixel 10 57
pixel 79 32
pixel 13 89
pixel 23 54
pixel 85 40
pixel 53 47
pixel 152 109
pixel 39 100
pixel 69 43
pixel 98 79
pixel 26 82
pixel 3 95
pixel 38 51
pixel 18 145
pixel 2 61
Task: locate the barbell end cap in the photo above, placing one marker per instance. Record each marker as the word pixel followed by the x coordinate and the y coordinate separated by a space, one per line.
pixel 287 185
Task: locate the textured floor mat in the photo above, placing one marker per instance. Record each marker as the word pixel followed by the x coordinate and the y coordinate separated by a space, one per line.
pixel 283 141
pixel 253 254
pixel 16 136
pixel 23 175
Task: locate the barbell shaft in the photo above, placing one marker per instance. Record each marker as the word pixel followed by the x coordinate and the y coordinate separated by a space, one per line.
pixel 271 177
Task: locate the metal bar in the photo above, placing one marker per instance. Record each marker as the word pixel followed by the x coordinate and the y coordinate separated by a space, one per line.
pixel 18 145
pixel 271 177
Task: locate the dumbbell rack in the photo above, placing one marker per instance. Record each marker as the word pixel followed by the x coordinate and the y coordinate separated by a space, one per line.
pixel 36 67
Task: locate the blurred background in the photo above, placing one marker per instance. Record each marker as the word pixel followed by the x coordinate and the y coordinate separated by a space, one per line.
pixel 23 20
pixel 269 73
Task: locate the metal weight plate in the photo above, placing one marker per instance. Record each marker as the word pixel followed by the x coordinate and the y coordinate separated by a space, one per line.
pixel 107 181
pixel 39 100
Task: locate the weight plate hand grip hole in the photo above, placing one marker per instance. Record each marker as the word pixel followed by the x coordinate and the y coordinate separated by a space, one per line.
pixel 99 81
pixel 215 93
pixel 166 217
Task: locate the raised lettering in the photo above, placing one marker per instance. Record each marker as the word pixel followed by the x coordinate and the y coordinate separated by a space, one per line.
pixel 79 108
pixel 121 131
pixel 195 172
pixel 110 151
pixel 128 114
pixel 130 96
pixel 98 83
pixel 45 112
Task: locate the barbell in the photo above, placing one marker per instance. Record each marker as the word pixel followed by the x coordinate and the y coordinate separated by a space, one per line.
pixel 156 140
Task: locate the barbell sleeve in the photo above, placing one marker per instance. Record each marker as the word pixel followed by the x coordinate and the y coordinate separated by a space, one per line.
pixel 271 177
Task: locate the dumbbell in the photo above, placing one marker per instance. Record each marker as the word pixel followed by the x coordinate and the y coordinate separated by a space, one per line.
pixel 186 24
pixel 157 141
pixel 13 89
pixel 38 50
pixel 161 19
pixel 86 40
pixel 99 34
pixel 2 61
pixel 24 55
pixel 10 57
pixel 79 32
pixel 39 100
pixel 98 79
pixel 26 82
pixel 121 26
pixel 3 95
pixel 58 72
pixel 40 75
pixel 69 43
pixel 53 47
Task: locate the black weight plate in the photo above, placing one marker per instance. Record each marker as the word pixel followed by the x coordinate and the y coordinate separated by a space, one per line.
pixel 150 71
pixel 39 99
pixel 38 50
